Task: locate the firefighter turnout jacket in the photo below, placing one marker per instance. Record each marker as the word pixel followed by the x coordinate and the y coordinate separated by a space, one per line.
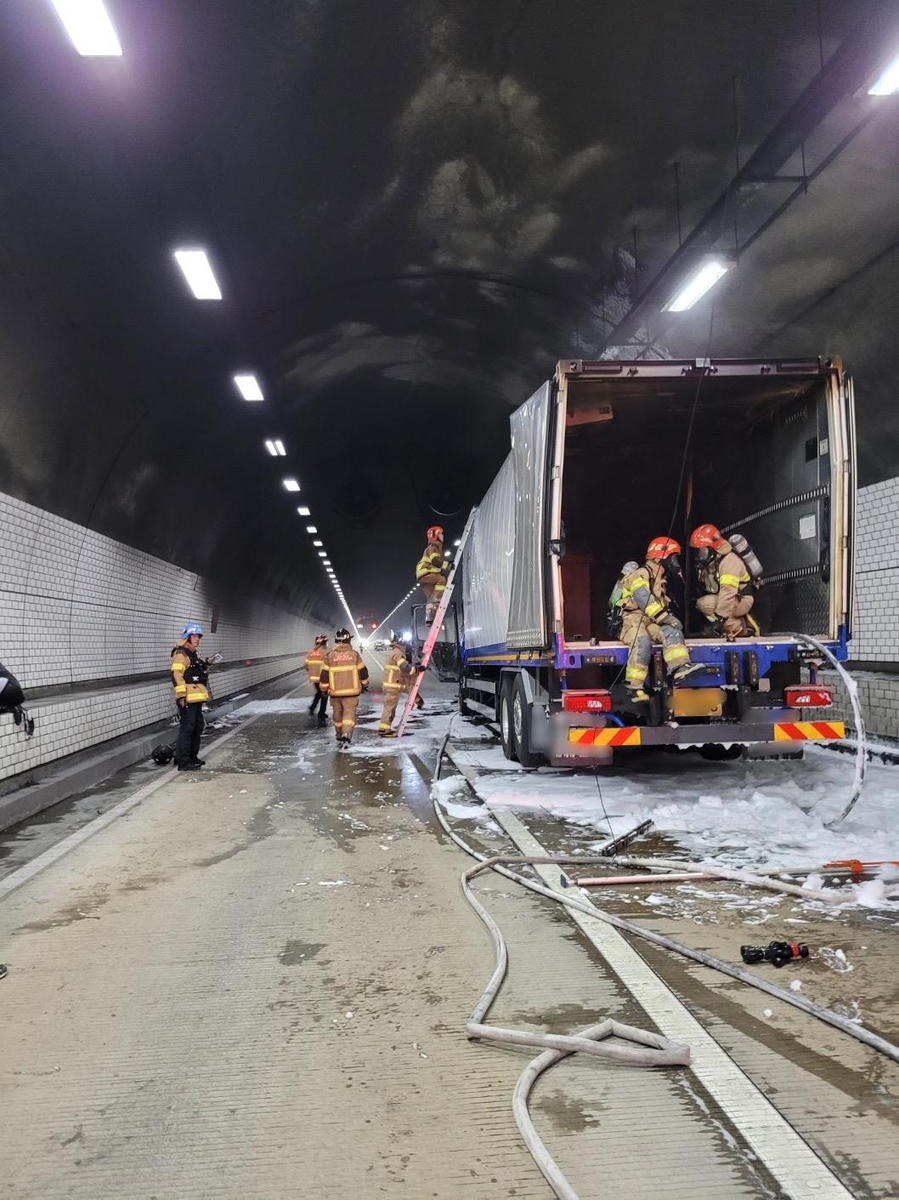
pixel 189 674
pixel 644 591
pixel 727 577
pixel 314 662
pixel 396 671
pixel 343 672
pixel 432 562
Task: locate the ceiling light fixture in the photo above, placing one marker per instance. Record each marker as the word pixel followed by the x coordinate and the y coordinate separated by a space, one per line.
pixel 275 448
pixel 321 554
pixel 89 27
pixel 888 82
pixel 197 270
pixel 248 386
pixel 291 485
pixel 316 542
pixel 304 511
pixel 312 529
pixel 697 285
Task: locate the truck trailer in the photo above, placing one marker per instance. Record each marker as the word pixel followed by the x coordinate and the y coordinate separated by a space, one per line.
pixel 608 455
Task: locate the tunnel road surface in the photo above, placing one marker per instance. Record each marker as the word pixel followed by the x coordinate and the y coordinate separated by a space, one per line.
pixel 254 984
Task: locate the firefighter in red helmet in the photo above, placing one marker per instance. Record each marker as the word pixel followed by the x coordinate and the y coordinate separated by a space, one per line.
pixel 431 572
pixel 648 619
pixel 725 581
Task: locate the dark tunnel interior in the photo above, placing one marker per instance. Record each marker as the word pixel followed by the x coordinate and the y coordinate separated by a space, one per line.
pixel 414 209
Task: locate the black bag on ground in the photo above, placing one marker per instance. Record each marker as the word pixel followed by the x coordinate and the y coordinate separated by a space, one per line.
pixel 163 755
pixel 12 698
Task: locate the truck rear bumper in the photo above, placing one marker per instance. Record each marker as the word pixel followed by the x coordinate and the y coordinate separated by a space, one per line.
pixel 730 734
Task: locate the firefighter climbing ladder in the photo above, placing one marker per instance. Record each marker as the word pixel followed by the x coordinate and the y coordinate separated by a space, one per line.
pixel 436 626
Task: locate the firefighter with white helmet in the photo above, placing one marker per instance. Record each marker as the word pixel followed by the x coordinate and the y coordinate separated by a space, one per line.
pixel 431 572
pixel 190 678
pixel 647 618
pixel 725 580
pixel 344 677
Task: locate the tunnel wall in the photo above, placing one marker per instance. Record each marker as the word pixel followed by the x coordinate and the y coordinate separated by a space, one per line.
pixel 87 625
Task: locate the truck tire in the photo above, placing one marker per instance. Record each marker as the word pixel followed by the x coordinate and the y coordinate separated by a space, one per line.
pixel 506 728
pixel 521 726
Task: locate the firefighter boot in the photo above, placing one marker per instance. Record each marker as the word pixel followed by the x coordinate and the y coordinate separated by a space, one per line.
pixel 638 695
pixel 687 670
pixel 419 703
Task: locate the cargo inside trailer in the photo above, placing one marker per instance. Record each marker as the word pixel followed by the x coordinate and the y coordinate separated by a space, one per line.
pixel 647 456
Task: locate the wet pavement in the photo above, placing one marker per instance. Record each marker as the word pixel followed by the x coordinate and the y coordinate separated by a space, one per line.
pixel 255 984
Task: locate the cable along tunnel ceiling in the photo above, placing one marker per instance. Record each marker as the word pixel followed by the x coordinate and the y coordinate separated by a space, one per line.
pixel 413 209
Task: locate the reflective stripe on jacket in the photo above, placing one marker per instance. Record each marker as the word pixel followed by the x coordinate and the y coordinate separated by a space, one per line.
pixel 314 660
pixel 431 562
pixel 343 672
pixel 728 578
pixel 395 670
pixel 189 675
pixel 644 591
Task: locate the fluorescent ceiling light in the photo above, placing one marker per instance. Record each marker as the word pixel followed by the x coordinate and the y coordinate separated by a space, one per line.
pixel 89 27
pixel 697 285
pixel 328 563
pixel 312 529
pixel 317 543
pixel 248 386
pixel 197 271
pixel 291 485
pixel 888 83
pixel 303 511
pixel 275 448
pixel 279 446
pixel 321 554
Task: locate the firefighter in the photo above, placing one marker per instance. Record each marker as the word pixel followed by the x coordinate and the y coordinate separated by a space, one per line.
pixel 398 675
pixel 648 619
pixel 725 581
pixel 431 572
pixel 344 677
pixel 190 677
pixel 314 660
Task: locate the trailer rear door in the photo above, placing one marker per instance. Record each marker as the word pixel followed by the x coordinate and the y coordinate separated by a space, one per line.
pixel 527 609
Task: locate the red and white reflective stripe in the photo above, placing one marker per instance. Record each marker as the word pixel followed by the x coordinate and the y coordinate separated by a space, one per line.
pixel 809 731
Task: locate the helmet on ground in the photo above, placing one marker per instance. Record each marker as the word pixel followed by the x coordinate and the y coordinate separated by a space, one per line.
pixel 321 640
pixel 163 755
pixel 343 635
pixel 435 533
pixel 661 548
pixel 705 536
pixel 191 629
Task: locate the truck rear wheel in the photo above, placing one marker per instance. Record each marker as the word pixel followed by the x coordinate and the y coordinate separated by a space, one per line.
pixel 506 727
pixel 521 725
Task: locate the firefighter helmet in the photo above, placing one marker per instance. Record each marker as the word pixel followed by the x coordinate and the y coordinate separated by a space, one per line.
pixel 661 548
pixel 343 635
pixel 435 533
pixel 191 629
pixel 321 640
pixel 705 536
pixel 163 755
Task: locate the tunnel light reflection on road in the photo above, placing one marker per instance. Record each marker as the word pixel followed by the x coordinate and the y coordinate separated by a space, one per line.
pixel 89 27
pixel 197 270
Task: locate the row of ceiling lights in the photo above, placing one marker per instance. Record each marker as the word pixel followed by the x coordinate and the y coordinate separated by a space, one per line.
pixel 92 33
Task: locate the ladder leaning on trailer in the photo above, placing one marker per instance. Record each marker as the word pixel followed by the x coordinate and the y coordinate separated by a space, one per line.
pixel 436 625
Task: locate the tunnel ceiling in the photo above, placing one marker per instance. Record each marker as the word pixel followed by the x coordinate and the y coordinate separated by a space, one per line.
pixel 414 209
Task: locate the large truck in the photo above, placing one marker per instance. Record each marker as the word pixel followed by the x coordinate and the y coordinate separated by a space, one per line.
pixel 608 455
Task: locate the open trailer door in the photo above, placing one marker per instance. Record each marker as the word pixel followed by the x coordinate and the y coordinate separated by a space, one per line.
pixel 527 608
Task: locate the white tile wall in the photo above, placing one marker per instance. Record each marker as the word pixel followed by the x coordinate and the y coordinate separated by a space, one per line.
pixel 76 606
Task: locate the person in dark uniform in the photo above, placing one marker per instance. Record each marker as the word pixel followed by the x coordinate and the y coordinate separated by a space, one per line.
pixel 190 677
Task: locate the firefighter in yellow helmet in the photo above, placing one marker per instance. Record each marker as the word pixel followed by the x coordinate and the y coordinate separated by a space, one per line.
pixel 431 572
pixel 648 619
pixel 314 660
pixel 398 675
pixel 725 581
pixel 344 677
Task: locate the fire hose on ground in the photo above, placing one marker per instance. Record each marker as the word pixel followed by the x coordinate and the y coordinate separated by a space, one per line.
pixel 658 1051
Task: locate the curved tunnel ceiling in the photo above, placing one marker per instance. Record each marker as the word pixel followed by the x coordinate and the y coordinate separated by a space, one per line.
pixel 414 208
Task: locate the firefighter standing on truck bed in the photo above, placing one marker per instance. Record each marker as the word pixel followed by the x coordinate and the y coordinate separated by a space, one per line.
pixel 431 572
pixel 313 664
pixel 725 581
pixel 398 674
pixel 648 619
pixel 190 677
pixel 344 677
